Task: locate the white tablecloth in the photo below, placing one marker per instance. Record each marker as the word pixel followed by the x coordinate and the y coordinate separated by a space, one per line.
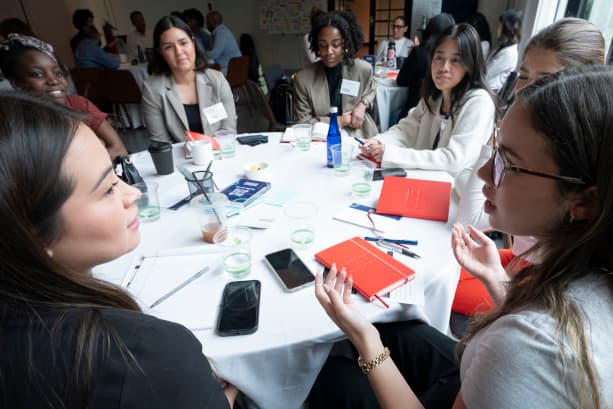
pixel 277 365
pixel 390 98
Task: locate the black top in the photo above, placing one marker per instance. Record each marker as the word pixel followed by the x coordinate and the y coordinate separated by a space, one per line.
pixel 173 371
pixel 334 77
pixel 192 111
pixel 413 71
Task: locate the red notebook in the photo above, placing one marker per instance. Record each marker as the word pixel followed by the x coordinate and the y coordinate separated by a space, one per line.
pixel 374 272
pixel 196 136
pixel 423 199
pixel 370 158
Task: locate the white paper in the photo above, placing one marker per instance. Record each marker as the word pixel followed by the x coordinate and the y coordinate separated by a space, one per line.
pixel 319 132
pixel 195 305
pixel 350 87
pixel 215 113
pixel 413 291
pixel 258 216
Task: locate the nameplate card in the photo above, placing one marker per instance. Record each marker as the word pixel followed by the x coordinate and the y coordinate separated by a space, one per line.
pixel 349 87
pixel 215 113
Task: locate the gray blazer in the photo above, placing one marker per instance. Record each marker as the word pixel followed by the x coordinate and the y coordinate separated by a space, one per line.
pixel 164 113
pixel 312 99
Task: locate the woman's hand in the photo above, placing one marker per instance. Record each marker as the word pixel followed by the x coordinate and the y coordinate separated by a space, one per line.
pixel 344 120
pixel 335 296
pixel 480 258
pixel 374 148
pixel 357 115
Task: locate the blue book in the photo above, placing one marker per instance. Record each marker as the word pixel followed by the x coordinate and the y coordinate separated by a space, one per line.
pixel 244 191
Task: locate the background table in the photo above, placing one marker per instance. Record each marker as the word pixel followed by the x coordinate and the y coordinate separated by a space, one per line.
pixel 390 97
pixel 277 365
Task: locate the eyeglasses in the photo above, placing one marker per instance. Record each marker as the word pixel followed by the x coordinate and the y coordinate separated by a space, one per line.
pixel 398 27
pixel 501 166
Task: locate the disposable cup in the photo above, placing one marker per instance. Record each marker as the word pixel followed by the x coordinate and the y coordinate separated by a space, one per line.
pixel 361 178
pixel 236 245
pixel 149 202
pixel 302 136
pixel 301 219
pixel 210 214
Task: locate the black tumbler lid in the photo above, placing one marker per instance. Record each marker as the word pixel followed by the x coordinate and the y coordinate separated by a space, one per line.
pixel 157 146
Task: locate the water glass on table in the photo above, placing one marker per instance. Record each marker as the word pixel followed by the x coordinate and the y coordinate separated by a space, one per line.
pixel 361 178
pixel 301 218
pixel 149 202
pixel 227 143
pixel 210 214
pixel 236 245
pixel 302 136
pixel 341 157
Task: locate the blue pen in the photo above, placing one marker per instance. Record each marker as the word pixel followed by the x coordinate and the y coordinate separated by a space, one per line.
pixel 361 142
pixel 395 241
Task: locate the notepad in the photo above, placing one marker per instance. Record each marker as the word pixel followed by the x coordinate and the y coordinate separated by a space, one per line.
pixel 244 191
pixel 374 272
pixel 422 199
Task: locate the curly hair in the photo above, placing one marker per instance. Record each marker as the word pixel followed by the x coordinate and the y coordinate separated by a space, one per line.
pixel 346 23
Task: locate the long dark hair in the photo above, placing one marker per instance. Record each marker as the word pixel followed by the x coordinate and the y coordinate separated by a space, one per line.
pixel 436 25
pixel 347 24
pixel 510 25
pixel 472 59
pixel 579 132
pixel 158 65
pixel 35 134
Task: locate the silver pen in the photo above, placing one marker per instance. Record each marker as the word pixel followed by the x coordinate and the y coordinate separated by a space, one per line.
pixel 397 248
pixel 180 286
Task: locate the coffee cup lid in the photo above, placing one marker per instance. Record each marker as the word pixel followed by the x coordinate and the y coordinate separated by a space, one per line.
pixel 157 146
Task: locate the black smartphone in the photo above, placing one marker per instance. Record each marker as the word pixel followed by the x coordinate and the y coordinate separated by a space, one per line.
pixel 379 174
pixel 240 308
pixel 290 270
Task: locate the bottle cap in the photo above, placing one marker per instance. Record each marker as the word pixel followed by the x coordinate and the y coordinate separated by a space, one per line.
pixel 333 110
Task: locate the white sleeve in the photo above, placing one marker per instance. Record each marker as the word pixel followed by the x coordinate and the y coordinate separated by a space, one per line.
pixel 515 363
pixel 404 133
pixel 468 187
pixel 471 128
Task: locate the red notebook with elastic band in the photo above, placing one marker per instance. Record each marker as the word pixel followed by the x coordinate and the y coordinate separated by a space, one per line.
pixel 422 199
pixel 374 272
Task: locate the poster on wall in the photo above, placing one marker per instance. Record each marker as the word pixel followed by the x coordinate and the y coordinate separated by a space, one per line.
pixel 286 16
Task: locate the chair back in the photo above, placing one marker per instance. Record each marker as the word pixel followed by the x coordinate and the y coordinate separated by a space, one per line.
pixel 238 71
pixel 120 87
pixel 86 81
pixel 272 74
pixel 253 111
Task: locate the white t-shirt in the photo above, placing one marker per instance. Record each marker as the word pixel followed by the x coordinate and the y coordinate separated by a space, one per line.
pixel 516 361
pixel 402 48
pixel 136 39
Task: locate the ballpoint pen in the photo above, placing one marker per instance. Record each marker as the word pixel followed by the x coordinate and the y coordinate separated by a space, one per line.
pixel 395 241
pixel 361 142
pixel 180 286
pixel 397 248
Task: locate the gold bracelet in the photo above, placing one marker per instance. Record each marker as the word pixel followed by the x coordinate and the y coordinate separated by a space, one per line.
pixel 372 364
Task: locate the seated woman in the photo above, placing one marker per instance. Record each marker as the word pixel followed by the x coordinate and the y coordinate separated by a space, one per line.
pixel 255 73
pixel 402 44
pixel 503 59
pixel 70 339
pixel 417 64
pixel 336 38
pixel 453 119
pixel 183 94
pixel 548 343
pixel 89 54
pixel 30 65
pixel 569 42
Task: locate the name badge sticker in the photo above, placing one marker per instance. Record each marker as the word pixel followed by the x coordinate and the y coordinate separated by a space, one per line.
pixel 215 113
pixel 349 87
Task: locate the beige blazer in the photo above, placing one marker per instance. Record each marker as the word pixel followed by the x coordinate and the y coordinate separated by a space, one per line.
pixel 312 99
pixel 164 113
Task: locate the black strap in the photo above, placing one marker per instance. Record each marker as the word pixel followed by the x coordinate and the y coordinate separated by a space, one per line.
pixel 436 139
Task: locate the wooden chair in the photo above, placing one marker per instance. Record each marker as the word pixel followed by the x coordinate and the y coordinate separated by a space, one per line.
pixel 238 71
pixel 120 88
pixel 253 111
pixel 87 80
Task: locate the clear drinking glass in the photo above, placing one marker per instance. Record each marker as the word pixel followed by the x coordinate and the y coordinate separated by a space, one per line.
pixel 302 136
pixel 301 218
pixel 236 244
pixel 227 143
pixel 361 178
pixel 341 157
pixel 149 202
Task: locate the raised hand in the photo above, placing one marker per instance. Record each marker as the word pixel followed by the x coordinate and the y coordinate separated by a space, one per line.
pixel 335 297
pixel 478 254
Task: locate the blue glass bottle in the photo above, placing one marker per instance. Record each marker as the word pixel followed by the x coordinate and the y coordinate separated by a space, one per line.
pixel 334 136
pixel 140 54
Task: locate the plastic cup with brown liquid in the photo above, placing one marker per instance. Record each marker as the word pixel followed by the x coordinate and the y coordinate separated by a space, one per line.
pixel 210 213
